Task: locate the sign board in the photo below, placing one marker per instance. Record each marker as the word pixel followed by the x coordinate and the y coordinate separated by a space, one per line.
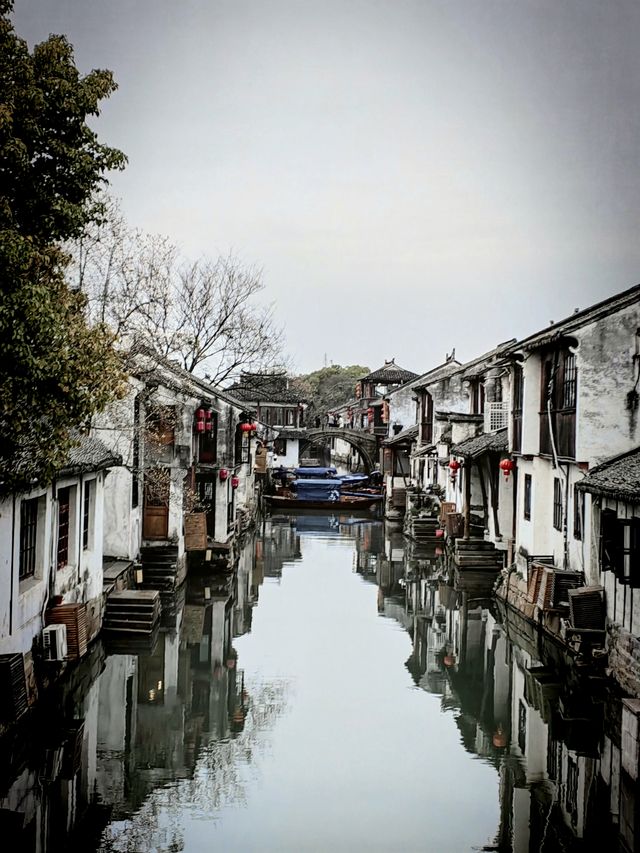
pixel 195 531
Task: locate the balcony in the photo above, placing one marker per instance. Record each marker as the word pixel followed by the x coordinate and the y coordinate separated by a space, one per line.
pixel 496 416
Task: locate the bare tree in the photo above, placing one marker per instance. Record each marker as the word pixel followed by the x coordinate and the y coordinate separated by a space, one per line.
pixel 206 314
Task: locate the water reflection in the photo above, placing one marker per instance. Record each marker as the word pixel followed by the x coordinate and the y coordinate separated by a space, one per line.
pixel 312 712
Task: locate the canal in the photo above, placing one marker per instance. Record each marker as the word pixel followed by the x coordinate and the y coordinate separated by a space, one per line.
pixel 341 691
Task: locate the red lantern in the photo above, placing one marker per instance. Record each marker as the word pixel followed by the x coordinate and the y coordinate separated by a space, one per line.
pixel 235 482
pixel 200 420
pixel 507 466
pixel 454 467
pixel 208 421
pixel 223 474
pixel 247 427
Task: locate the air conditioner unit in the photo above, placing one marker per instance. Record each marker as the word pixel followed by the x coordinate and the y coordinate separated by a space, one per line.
pixel 54 642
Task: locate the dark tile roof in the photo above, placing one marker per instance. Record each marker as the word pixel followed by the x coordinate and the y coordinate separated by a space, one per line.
pixel 484 443
pixel 557 331
pixel 424 450
pixel 618 478
pixel 89 454
pixel 390 373
pixel 265 388
pixel 408 434
pixel 291 433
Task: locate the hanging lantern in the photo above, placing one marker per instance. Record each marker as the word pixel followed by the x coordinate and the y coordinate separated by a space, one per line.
pixel 200 420
pixel 223 474
pixel 248 427
pixel 507 466
pixel 454 467
pixel 208 421
pixel 235 482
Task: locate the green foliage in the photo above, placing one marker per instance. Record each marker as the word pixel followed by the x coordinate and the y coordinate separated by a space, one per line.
pixel 55 370
pixel 330 387
pixel 50 160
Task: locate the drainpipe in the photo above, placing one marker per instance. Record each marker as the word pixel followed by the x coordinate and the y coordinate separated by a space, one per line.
pixel 80 518
pixel 13 550
pixel 556 465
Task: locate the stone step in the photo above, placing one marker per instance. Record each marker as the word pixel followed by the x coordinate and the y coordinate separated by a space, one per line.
pixel 474 545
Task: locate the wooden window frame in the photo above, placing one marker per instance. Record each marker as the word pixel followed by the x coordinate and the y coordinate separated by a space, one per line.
pixel 86 514
pixel 578 514
pixel 557 503
pixel 558 369
pixel 518 402
pixel 29 510
pixel 620 547
pixel 528 485
pixel 63 527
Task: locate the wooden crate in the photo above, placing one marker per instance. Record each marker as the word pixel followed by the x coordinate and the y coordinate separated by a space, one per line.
pixel 74 616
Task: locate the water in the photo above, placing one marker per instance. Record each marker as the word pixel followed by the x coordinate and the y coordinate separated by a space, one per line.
pixel 337 693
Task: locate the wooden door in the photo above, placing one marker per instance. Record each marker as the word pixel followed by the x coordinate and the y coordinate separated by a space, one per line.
pixel 155 519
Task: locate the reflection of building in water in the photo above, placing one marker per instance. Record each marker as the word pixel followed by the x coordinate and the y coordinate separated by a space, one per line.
pixel 247 585
pixel 279 544
pixel 48 773
pixel 369 547
pixel 570 770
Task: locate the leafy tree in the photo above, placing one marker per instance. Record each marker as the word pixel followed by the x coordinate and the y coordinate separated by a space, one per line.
pixel 330 387
pixel 55 369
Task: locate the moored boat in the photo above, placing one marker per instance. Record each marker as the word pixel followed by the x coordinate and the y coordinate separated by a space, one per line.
pixel 319 493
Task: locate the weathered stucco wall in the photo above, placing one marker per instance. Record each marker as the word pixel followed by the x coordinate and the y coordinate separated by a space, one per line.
pixel 606 366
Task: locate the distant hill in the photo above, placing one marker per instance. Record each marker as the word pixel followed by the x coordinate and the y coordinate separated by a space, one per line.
pixel 328 388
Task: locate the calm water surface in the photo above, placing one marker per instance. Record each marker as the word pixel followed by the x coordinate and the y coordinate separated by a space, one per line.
pixel 337 693
pixel 340 749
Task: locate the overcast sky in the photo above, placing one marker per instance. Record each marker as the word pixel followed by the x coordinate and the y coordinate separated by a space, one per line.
pixel 412 175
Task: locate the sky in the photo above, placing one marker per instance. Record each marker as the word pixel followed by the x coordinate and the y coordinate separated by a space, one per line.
pixel 412 176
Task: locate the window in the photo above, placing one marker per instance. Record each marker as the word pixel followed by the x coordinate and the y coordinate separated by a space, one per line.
pixel 518 397
pixel 291 417
pixel 557 503
pixel 578 513
pixel 426 405
pixel 280 446
pixel 63 526
pixel 569 384
pixel 28 538
pixel 86 515
pixel 161 424
pixel 208 442
pixel 477 398
pixel 620 547
pixel 527 496
pixel 559 383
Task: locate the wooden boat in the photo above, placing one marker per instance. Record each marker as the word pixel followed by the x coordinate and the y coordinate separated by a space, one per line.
pixel 344 502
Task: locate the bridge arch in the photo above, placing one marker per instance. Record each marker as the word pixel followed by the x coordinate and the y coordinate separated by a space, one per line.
pixel 365 443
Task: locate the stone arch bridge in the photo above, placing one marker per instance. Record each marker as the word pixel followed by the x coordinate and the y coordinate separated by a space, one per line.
pixel 364 442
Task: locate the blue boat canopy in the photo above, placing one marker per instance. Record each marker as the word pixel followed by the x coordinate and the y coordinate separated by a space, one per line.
pixel 317 490
pixel 307 473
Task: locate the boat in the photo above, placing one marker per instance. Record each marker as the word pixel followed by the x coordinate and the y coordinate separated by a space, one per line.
pixel 350 502
pixel 319 493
